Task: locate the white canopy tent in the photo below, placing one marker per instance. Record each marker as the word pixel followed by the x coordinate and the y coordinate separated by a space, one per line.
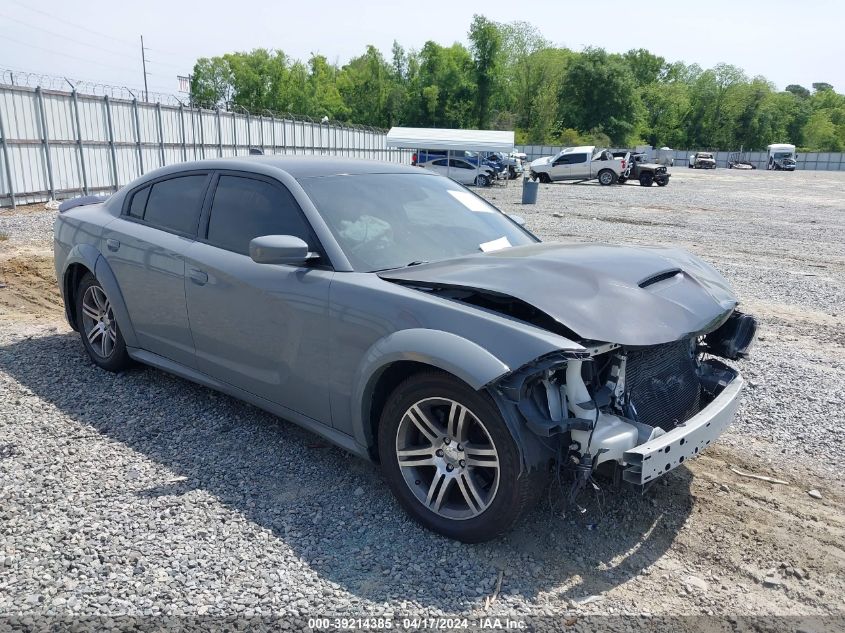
pixel 451 140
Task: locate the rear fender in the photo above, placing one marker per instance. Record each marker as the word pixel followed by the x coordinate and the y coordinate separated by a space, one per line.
pixel 90 258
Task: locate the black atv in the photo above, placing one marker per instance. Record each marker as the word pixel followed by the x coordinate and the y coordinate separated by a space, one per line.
pixel 646 173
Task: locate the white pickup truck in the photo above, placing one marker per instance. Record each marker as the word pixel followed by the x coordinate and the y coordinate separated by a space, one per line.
pixel 579 163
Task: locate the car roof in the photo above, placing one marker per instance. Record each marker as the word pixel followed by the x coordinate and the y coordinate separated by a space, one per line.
pixel 296 166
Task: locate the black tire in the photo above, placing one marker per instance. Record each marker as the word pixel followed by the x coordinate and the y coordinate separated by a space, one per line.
pixel 622 180
pixel 690 165
pixel 646 180
pixel 545 178
pixel 663 182
pixel 114 358
pixel 512 173
pixel 514 494
pixel 482 180
pixel 607 177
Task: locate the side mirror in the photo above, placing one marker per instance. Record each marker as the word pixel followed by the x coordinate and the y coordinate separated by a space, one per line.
pixel 279 249
pixel 517 218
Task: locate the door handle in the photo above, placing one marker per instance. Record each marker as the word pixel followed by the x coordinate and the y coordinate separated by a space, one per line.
pixel 199 277
pixel 112 244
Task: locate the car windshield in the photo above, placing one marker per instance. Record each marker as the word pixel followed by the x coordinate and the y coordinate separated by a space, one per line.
pixel 783 154
pixel 384 221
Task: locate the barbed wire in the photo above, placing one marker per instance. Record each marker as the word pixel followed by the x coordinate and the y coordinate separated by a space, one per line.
pixel 28 79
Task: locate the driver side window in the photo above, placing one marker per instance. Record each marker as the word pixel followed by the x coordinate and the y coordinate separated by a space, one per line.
pixel 245 208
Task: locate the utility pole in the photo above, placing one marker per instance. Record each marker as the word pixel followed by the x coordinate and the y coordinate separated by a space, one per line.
pixel 144 64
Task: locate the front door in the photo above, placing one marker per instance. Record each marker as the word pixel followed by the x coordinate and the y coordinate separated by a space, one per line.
pixel 261 327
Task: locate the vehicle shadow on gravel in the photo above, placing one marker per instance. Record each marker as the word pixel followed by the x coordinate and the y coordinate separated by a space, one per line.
pixel 333 510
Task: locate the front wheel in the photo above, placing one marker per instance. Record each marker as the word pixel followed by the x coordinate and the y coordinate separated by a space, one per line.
pixel 482 181
pixel 98 327
pixel 606 177
pixel 662 183
pixel 451 461
pixel 545 178
pixel 646 180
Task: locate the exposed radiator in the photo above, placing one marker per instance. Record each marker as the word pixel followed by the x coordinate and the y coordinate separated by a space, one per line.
pixel 662 385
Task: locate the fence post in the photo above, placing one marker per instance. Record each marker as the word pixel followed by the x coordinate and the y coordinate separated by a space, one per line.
pixel 182 130
pixel 248 132
pixel 6 160
pixel 138 137
pixel 202 132
pixel 293 133
pixel 284 136
pixel 45 141
pixel 261 128
pixel 79 143
pixel 219 134
pixel 234 134
pixel 273 132
pixel 160 132
pixel 111 141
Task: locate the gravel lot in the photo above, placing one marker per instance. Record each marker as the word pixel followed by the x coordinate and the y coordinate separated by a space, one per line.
pixel 142 494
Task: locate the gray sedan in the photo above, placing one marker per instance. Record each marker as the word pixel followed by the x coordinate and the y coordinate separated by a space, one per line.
pixel 405 319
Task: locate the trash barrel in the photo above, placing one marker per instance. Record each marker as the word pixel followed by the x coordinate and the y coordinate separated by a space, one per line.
pixel 529 191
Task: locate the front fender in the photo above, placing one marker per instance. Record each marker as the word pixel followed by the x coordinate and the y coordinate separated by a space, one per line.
pixel 90 257
pixel 460 357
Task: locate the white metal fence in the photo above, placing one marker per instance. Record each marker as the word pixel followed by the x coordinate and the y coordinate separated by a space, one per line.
pixel 56 144
pixel 826 161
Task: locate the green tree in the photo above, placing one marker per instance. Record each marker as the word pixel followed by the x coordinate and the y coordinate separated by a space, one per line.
pixel 486 45
pixel 598 93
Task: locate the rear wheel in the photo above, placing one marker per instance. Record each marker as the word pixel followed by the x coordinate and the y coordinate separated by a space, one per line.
pixel 646 180
pixel 450 459
pixel 98 327
pixel 621 180
pixel 482 180
pixel 512 173
pixel 607 177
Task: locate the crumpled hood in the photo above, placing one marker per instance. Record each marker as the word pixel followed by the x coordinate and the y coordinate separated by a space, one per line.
pixel 629 295
pixel 542 161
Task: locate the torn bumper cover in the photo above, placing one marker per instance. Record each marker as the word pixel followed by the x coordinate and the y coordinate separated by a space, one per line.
pixel 648 461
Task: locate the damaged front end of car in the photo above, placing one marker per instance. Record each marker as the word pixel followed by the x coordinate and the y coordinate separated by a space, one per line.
pixel 631 412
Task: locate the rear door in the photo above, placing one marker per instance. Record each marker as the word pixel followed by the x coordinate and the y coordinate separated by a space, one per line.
pixel 579 168
pixel 146 248
pixel 261 327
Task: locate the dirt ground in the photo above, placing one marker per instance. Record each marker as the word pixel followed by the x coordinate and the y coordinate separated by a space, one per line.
pixel 734 544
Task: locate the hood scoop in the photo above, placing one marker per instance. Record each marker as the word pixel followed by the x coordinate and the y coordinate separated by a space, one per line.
pixel 617 294
pixel 656 279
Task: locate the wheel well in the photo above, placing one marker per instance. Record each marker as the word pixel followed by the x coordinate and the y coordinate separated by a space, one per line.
pixel 73 275
pixel 389 379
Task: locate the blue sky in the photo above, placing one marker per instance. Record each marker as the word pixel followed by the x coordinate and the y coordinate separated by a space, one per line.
pixel 788 42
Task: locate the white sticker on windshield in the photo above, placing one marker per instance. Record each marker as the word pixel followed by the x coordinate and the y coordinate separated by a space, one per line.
pixel 495 245
pixel 471 202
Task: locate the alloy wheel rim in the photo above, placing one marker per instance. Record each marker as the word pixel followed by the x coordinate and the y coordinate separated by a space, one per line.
pixel 447 458
pixel 98 321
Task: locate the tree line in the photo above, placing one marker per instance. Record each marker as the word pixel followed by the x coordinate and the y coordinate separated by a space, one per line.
pixel 511 77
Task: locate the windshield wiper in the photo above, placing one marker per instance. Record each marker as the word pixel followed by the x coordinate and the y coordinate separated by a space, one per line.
pixel 408 265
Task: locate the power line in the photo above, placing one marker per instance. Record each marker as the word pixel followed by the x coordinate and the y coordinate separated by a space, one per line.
pixel 66 37
pixel 64 21
pixel 67 55
pixel 82 42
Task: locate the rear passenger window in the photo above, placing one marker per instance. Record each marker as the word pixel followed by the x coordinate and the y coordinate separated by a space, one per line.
pixel 245 208
pixel 578 158
pixel 175 204
pixel 139 202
